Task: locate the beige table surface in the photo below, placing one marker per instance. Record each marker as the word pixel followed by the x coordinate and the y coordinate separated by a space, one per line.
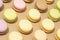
pixel 36 26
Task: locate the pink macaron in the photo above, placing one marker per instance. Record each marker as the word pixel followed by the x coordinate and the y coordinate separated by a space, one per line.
pixel 3 26
pixel 18 5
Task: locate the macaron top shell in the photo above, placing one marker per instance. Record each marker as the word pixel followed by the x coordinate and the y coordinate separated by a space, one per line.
pixel 41 5
pixel 48 24
pixel 40 35
pixel 3 25
pixel 25 25
pixel 19 4
pixel 34 13
pixel 15 36
pixel 1 3
pixel 10 14
pixel 58 4
pixel 54 13
pixel 58 33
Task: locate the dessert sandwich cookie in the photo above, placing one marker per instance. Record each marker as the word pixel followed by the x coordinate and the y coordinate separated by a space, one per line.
pixel 14 35
pixel 34 15
pixel 6 1
pixel 1 5
pixel 39 35
pixel 25 26
pixel 47 25
pixel 3 27
pixel 41 5
pixel 28 1
pixel 54 14
pixel 57 34
pixel 10 15
pixel 19 5
pixel 49 1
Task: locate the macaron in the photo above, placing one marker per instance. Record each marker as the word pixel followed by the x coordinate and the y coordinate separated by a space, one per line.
pixel 49 1
pixel 3 27
pixel 54 14
pixel 19 5
pixel 6 1
pixel 47 25
pixel 14 35
pixel 1 4
pixel 28 1
pixel 9 15
pixel 57 34
pixel 41 6
pixel 40 35
pixel 34 15
pixel 58 4
pixel 25 26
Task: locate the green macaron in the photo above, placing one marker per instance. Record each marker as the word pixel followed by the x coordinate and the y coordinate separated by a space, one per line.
pixel 58 4
pixel 54 14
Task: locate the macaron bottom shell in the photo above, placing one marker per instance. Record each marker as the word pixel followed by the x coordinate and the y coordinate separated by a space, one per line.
pixel 6 1
pixel 53 19
pixel 18 10
pixel 32 20
pixel 47 31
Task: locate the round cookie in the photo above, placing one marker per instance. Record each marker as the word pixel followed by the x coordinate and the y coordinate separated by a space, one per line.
pixel 41 5
pixel 10 15
pixel 49 1
pixel 25 26
pixel 58 4
pixel 1 4
pixel 34 15
pixel 14 35
pixel 6 1
pixel 54 14
pixel 3 26
pixel 19 5
pixel 28 1
pixel 57 35
pixel 47 25
pixel 40 35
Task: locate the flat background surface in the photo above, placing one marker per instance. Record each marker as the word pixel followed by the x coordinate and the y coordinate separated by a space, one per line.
pixel 36 26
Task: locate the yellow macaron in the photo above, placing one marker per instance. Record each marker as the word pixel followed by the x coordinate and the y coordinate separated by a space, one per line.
pixel 25 26
pixel 57 34
pixel 33 15
pixel 14 35
pixel 40 35
pixel 47 25
pixel 10 15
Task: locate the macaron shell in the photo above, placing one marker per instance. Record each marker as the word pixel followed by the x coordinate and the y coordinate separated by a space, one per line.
pixel 41 6
pixel 1 3
pixel 54 14
pixel 34 15
pixel 47 25
pixel 40 35
pixel 53 19
pixel 28 1
pixel 25 26
pixel 14 35
pixel 3 26
pixel 5 1
pixel 18 5
pixel 58 4
pixel 58 33
pixel 12 15
pixel 49 1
